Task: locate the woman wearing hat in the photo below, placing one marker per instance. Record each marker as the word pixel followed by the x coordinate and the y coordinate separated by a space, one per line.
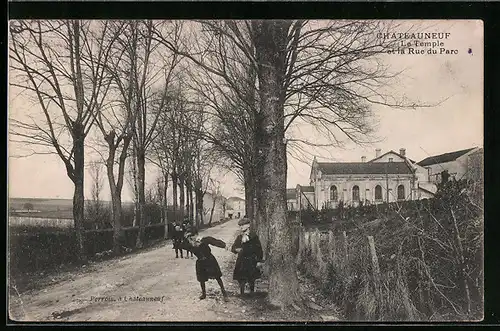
pixel 207 266
pixel 249 249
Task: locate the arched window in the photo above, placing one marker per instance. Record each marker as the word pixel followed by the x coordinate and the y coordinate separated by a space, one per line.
pixel 378 192
pixel 355 193
pixel 333 193
pixel 401 192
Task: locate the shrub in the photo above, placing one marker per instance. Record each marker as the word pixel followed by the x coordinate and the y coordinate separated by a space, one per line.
pixel 419 246
pixel 40 249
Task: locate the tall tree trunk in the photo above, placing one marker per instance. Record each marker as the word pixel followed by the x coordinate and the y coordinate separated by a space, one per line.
pixel 175 198
pixel 260 222
pixel 214 202
pixel 136 184
pixel 116 187
pixel 116 202
pixel 199 206
pixel 165 206
pixel 270 45
pixel 249 194
pixel 141 176
pixel 181 196
pixel 200 209
pixel 192 204
pixel 188 199
pixel 78 195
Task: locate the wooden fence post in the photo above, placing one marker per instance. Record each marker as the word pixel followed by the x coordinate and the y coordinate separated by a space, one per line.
pixel 318 254
pixel 331 247
pixel 376 270
pixel 462 265
pixel 346 251
pixel 300 253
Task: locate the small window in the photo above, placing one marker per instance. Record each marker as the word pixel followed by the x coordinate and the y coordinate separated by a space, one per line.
pixel 401 192
pixel 355 193
pixel 378 192
pixel 333 193
pixel 391 159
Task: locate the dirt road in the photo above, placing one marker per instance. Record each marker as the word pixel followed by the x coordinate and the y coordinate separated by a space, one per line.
pixel 151 275
pixel 119 290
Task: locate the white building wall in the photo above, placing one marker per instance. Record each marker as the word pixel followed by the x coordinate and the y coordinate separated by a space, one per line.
pixel 366 184
pixel 421 173
pixel 457 168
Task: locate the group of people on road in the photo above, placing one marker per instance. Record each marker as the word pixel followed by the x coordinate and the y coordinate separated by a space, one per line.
pixel 246 245
pixel 179 237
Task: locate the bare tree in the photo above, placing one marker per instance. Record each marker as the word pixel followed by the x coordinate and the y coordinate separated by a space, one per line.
pixel 116 121
pixel 162 159
pixel 323 74
pixel 204 163
pixel 95 207
pixel 60 64
pixel 216 194
pixel 153 76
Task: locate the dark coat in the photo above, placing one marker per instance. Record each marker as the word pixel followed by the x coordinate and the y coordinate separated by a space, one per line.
pixel 245 268
pixel 207 266
pixel 178 237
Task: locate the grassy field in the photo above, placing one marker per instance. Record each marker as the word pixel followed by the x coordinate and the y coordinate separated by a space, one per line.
pixel 46 208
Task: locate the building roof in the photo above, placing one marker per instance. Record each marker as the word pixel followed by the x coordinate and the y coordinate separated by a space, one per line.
pixel 392 152
pixel 443 158
pixel 291 193
pixel 368 168
pixel 479 151
pixel 307 188
pixel 235 199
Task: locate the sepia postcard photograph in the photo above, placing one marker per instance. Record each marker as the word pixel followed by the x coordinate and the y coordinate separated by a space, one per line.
pixel 245 171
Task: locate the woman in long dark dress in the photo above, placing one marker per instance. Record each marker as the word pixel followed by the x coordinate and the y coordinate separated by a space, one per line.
pixel 207 266
pixel 249 249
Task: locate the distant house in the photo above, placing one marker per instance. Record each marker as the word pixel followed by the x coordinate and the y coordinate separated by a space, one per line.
pixel 291 199
pixel 453 164
pixel 306 197
pixel 476 166
pixel 235 207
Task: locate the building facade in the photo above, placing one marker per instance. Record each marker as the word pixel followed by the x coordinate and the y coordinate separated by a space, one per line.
pixel 354 183
pixel 388 177
pixel 235 207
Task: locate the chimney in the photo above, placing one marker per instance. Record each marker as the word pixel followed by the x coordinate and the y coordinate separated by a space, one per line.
pixel 402 151
pixel 363 159
pixel 377 152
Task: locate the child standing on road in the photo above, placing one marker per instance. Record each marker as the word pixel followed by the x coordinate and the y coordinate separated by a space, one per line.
pixel 207 266
pixel 178 238
pixel 249 249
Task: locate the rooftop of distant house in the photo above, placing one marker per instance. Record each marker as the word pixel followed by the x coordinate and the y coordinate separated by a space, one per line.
pixel 235 199
pixel 291 193
pixel 307 188
pixel 369 168
pixel 443 158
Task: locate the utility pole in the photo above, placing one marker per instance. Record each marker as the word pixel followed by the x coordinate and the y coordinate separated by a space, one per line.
pixel 386 183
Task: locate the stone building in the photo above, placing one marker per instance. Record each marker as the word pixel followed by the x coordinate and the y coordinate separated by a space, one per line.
pixel 388 177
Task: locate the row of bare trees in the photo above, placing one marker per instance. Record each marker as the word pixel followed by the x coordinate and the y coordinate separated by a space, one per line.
pixel 259 81
pixel 186 95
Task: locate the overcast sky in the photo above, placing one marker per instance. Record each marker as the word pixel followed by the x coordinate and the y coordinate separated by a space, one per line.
pixel 455 124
